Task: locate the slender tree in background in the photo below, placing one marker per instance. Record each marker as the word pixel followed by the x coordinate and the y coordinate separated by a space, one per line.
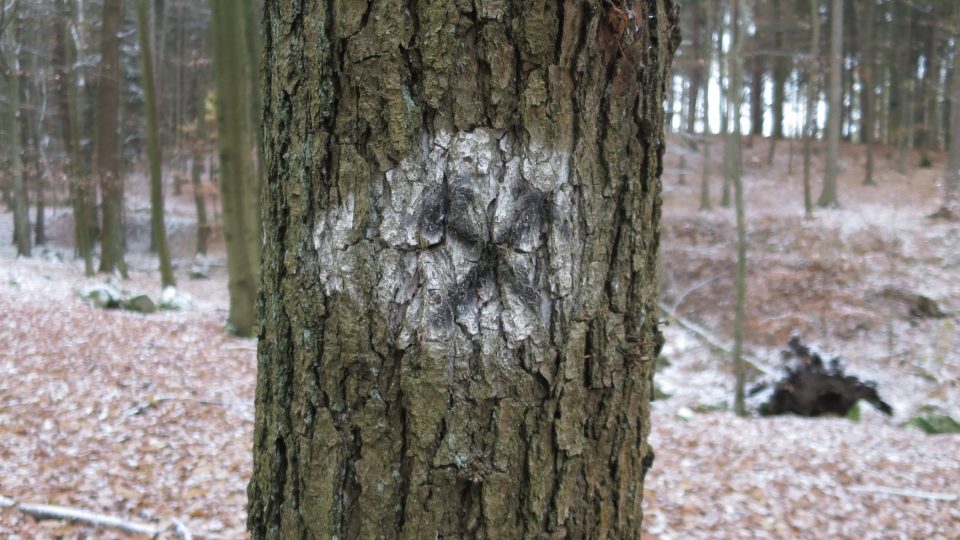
pixel 951 180
pixel 432 363
pixel 197 167
pixel 705 205
pixel 107 147
pixel 813 74
pixel 904 47
pixel 828 196
pixel 724 83
pixel 64 58
pixel 867 72
pixel 12 80
pixel 700 43
pixel 238 180
pixel 741 10
pixel 31 115
pixel 158 227
pixel 781 72
pixel 782 65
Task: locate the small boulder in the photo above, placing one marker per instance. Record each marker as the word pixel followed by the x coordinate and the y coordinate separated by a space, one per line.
pixel 140 304
pixel 102 295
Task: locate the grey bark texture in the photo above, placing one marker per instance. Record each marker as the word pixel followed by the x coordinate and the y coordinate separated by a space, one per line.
pixel 459 283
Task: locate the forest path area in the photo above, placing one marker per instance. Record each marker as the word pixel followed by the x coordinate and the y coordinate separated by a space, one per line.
pixel 149 417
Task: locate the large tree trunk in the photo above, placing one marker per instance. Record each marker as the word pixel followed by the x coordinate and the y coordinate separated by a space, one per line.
pixel 239 182
pixel 458 293
pixel 107 158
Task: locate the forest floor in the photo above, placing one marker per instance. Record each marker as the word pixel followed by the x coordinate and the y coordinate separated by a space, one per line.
pixel 150 417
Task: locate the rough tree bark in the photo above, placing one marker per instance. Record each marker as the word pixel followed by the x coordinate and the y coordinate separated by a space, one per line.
pixel 107 148
pixel 238 180
pixel 458 292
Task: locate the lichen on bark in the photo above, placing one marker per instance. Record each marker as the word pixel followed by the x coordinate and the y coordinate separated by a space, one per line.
pixel 461 223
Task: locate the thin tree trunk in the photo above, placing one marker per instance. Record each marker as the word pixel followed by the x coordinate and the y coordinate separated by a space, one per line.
pixel 700 37
pixel 705 204
pixel 905 141
pixel 951 180
pixel 930 137
pixel 781 71
pixel 869 88
pixel 741 10
pixel 153 150
pixel 811 107
pixel 196 173
pixel 107 150
pixel 459 293
pixel 828 197
pixel 756 95
pixel 21 204
pixel 239 181
pixel 66 52
pixel 724 82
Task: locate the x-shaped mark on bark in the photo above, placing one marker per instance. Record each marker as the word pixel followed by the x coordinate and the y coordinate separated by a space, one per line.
pixel 454 211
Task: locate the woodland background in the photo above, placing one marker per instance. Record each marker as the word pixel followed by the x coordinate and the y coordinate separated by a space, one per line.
pixel 148 416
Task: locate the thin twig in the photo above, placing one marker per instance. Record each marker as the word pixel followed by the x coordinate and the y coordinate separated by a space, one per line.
pixel 41 512
pixel 714 342
pixel 905 492
pixel 181 530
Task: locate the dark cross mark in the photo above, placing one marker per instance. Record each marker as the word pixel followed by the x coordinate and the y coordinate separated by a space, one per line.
pixel 454 210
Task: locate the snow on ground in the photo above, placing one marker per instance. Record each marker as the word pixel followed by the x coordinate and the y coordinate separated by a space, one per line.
pixel 149 417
